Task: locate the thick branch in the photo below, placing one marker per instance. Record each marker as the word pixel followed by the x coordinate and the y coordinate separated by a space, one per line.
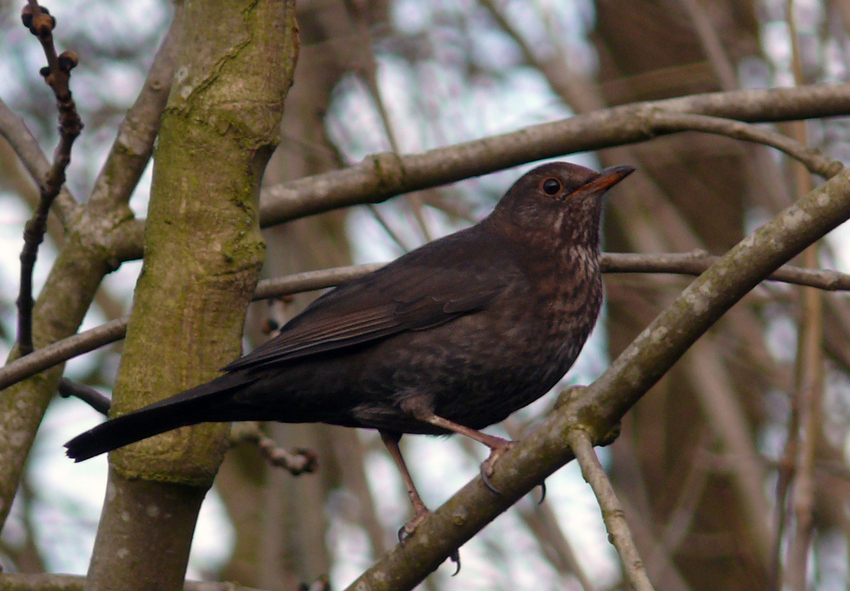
pixel 50 582
pixel 603 403
pixel 130 153
pixel 382 176
pixel 220 127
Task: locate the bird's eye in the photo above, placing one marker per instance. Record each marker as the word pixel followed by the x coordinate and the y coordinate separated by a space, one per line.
pixel 551 186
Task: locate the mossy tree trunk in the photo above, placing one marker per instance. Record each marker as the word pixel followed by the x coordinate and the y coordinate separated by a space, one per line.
pixel 203 253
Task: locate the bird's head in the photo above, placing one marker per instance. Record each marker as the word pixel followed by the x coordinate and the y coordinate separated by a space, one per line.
pixel 559 203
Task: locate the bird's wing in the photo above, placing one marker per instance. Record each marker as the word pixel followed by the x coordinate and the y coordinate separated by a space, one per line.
pixel 413 293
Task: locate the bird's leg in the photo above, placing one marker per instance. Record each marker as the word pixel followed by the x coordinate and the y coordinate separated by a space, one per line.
pixel 419 509
pixel 497 445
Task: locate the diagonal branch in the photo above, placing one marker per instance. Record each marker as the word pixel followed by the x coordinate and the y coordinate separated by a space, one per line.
pixel 14 131
pixel 133 146
pixel 612 510
pixel 603 403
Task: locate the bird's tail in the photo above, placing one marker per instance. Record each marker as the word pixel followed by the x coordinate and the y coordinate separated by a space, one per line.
pixel 197 405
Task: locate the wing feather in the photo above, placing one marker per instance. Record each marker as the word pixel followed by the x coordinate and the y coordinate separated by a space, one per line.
pixel 420 290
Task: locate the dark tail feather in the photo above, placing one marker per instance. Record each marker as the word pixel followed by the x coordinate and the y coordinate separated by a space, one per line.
pixel 198 405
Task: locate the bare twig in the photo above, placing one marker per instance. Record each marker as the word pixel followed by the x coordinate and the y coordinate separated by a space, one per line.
pixel 698 261
pixel 56 75
pixel 612 511
pixel 311 280
pixel 13 129
pixel 814 160
pixel 296 462
pixel 90 396
pixel 61 351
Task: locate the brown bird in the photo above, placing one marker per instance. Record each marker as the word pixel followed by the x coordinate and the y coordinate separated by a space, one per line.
pixel 449 338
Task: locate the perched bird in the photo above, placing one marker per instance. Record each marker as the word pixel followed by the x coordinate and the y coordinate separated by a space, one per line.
pixel 451 337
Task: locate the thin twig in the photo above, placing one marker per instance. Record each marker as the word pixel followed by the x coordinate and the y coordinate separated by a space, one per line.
pixel 814 160
pixel 57 75
pixel 89 395
pixel 698 261
pixel 311 280
pixel 23 142
pixel 61 351
pixel 693 263
pixel 296 462
pixel 612 511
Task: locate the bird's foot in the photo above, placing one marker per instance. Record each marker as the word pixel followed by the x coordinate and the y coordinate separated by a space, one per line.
pixel 406 530
pixel 488 464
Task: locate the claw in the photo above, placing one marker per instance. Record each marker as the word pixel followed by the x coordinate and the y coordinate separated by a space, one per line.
pixel 485 478
pixel 455 557
pixel 542 493
pixel 406 530
pixel 487 465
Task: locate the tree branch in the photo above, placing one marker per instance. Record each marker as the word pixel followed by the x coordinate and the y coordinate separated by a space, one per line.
pixel 612 511
pixel 814 160
pixel 14 130
pixel 57 75
pixel 296 462
pixel 130 153
pixel 50 582
pixel 382 176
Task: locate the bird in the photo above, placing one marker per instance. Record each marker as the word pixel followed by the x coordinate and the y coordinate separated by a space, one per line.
pixel 450 338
